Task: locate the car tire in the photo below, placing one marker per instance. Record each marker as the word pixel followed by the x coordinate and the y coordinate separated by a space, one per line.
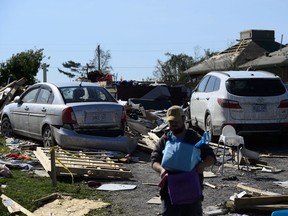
pixel 6 127
pixel 47 137
pixel 188 123
pixel 208 127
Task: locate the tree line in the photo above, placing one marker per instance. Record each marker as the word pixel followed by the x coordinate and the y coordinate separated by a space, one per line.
pixel 27 64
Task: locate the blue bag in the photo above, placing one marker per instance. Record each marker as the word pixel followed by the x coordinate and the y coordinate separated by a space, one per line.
pixel 181 156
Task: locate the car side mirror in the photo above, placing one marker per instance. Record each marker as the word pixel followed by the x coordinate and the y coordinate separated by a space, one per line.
pixel 17 99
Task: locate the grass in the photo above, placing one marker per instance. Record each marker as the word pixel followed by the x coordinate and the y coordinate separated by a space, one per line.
pixel 25 187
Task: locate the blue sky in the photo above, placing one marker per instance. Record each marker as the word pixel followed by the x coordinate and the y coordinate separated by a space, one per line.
pixel 136 32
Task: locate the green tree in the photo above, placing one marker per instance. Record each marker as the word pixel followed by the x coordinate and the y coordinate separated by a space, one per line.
pixel 171 71
pixel 76 70
pixel 25 64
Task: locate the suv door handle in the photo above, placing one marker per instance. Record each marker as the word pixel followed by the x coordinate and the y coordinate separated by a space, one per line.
pixel 26 108
pixel 43 109
pixel 207 98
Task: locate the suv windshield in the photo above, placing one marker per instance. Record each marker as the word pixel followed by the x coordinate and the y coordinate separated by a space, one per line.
pixel 255 87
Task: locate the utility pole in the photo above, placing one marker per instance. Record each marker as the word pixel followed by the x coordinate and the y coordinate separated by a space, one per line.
pixel 44 67
pixel 98 50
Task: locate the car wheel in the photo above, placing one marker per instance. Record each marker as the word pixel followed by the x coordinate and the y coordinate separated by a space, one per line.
pixel 6 127
pixel 208 128
pixel 47 137
pixel 188 123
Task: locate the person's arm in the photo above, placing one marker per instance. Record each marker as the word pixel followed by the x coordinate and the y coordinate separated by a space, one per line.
pixel 157 155
pixel 208 161
pixel 158 168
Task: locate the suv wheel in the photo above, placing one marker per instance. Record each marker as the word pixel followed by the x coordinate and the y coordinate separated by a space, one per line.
pixel 208 128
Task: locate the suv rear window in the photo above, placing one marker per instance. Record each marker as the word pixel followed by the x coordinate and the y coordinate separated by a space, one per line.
pixel 255 87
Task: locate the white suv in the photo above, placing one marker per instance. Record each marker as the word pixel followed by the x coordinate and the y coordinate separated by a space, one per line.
pixel 250 101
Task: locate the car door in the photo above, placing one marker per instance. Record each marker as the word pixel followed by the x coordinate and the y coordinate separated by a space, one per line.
pixel 198 103
pixel 39 111
pixel 20 115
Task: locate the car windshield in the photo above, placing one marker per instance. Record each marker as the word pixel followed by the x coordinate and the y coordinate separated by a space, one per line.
pixel 86 94
pixel 255 87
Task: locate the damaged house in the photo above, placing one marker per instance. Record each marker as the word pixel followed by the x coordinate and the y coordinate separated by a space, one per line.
pixel 275 62
pixel 252 45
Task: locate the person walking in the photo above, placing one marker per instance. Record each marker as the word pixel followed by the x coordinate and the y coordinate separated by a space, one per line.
pixel 181 182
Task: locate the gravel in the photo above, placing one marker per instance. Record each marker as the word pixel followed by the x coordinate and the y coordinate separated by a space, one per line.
pixel 134 202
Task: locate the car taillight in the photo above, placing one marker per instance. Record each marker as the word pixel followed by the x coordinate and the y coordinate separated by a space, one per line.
pixel 124 116
pixel 283 104
pixel 68 116
pixel 230 104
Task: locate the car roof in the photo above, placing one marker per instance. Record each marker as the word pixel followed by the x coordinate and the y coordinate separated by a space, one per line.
pixel 245 74
pixel 71 84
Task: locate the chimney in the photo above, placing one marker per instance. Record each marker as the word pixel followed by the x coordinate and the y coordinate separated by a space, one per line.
pixel 258 35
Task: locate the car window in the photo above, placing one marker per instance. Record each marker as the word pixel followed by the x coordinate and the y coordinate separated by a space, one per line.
pixel 86 94
pixel 202 84
pixel 217 84
pixel 255 87
pixel 29 97
pixel 213 84
pixel 45 96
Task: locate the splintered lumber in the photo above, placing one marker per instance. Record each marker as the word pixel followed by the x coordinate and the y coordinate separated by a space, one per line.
pixel 209 185
pixel 153 136
pixel 254 190
pixel 48 198
pixel 80 164
pixel 147 143
pixel 144 147
pixel 272 156
pixel 13 206
pixel 15 86
pixel 265 203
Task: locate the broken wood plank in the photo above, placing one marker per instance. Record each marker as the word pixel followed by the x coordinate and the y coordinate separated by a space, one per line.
pixel 270 208
pixel 153 136
pixel 148 141
pixel 272 156
pixel 262 203
pixel 144 148
pixel 209 185
pixel 48 198
pixel 257 191
pixel 13 206
pixel 261 200
pixel 15 85
pixel 82 167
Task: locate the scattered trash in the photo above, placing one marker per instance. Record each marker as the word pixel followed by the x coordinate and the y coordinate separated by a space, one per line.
pixel 5 171
pixel 282 183
pixel 116 187
pixel 231 178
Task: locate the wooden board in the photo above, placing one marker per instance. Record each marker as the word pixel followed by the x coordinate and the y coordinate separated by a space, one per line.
pixel 97 165
pixel 266 203
pixel 258 191
pixel 14 207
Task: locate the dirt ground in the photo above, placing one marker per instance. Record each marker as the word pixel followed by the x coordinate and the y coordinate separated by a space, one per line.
pixel 134 202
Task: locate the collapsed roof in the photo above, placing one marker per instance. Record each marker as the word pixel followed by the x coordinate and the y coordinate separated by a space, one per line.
pixel 279 58
pixel 252 44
